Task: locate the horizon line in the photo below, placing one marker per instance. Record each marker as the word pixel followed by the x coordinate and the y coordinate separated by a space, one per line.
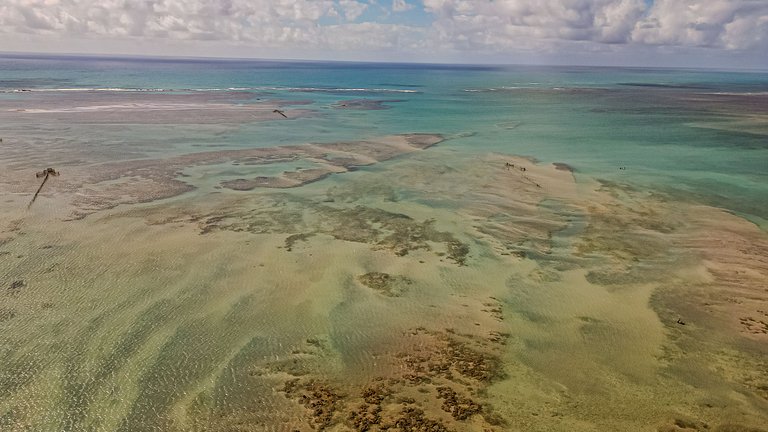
pixel 50 55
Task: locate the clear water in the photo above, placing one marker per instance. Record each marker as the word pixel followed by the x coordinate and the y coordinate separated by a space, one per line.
pixel 635 118
pixel 553 303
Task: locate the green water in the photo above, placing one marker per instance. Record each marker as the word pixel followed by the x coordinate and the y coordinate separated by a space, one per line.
pixel 543 301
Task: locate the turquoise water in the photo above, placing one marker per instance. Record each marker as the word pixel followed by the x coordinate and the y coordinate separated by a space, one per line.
pixel 595 119
pixel 151 288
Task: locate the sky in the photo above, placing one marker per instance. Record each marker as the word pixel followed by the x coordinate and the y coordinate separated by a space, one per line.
pixel 725 34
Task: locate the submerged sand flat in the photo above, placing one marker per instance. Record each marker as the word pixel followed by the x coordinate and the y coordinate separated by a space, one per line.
pixel 95 187
pixel 421 289
pixel 428 291
pixel 120 107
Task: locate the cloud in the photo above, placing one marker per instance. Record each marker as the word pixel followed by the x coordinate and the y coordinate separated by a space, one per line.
pixel 372 36
pixel 352 9
pixel 527 23
pixel 455 27
pixel 475 24
pixel 401 6
pixel 265 22
pixel 734 24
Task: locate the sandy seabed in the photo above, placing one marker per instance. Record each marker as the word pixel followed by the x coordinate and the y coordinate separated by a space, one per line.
pixel 386 284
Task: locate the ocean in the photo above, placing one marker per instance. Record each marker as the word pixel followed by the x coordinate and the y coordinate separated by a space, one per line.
pixel 273 245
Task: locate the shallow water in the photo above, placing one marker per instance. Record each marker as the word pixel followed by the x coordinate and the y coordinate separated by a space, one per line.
pixel 408 285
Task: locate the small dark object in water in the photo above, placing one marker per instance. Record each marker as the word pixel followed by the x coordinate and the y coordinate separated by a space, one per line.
pixel 622 168
pixel 44 173
pixel 282 113
pixel 680 321
pixel 17 285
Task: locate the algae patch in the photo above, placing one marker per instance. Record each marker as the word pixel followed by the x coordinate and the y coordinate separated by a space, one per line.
pixel 386 284
pixel 437 382
pixel 397 232
pixel 379 228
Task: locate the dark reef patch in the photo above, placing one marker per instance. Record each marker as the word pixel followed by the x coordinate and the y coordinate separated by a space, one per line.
pixel 365 104
pixel 379 228
pixel 435 383
pixel 386 284
pixel 292 239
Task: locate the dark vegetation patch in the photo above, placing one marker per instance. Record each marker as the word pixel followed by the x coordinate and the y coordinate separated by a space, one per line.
pixel 386 284
pixel 292 239
pixel 365 104
pixel 379 228
pixel 437 380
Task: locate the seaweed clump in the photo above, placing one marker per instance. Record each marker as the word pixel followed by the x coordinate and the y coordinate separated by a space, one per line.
pixel 441 372
pixel 322 400
pixel 460 408
pixel 453 356
pixel 368 414
pixel 413 420
pixel 292 239
pixel 395 231
pixel 384 283
pixel 379 228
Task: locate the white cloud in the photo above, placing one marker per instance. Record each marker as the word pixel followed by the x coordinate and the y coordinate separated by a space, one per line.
pixel 733 24
pixel 528 23
pixel 372 36
pixel 401 6
pixel 471 27
pixel 352 9
pixel 263 22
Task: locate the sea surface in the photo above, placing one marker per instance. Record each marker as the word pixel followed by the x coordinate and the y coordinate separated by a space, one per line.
pixel 269 245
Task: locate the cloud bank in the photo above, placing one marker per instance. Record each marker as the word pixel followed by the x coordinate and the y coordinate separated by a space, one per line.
pixel 497 27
